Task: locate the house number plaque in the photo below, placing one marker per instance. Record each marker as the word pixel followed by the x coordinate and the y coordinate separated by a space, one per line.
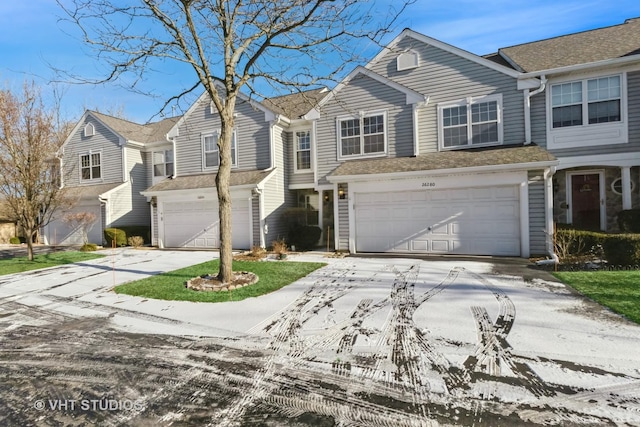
pixel 428 184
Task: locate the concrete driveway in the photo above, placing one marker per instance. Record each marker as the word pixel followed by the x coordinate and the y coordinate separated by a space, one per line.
pixel 361 342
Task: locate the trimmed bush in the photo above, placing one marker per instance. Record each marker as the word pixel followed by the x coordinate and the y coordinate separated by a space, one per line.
pixel 89 247
pixel 137 230
pixel 119 235
pixel 135 241
pixel 571 242
pixel 14 240
pixel 629 221
pixel 304 237
pixel 622 249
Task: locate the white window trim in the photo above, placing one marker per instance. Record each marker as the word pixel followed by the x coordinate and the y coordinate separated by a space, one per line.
pixel 361 115
pixel 89 129
pixel 468 102
pixel 295 151
pixel 164 163
pixel 216 133
pixel 588 134
pixel 90 154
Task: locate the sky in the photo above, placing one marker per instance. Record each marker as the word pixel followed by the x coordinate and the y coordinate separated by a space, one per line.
pixel 33 41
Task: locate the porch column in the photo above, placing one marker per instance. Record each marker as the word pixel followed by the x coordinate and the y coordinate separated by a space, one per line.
pixel 626 187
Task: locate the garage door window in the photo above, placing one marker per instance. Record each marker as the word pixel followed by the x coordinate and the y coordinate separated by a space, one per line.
pixel 472 122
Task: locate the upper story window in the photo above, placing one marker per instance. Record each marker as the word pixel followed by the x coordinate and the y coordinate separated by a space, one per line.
pixel 363 136
pixel 90 166
pixel 590 101
pixel 89 129
pixel 302 151
pixel 211 156
pixel 163 163
pixel 471 122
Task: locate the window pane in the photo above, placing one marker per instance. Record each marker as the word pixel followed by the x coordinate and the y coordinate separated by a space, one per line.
pixel 210 143
pixel 374 144
pixel 95 160
pixel 158 157
pixel 374 124
pixel 233 154
pixel 605 111
pixel 454 116
pixel 304 159
pixel 454 137
pixel 84 160
pixel 169 168
pixel 484 133
pixel 350 128
pixel 158 170
pixel 566 94
pixel 567 116
pixel 485 112
pixel 169 156
pixel 603 88
pixel 86 173
pixel 211 159
pixel 95 172
pixel 304 140
pixel 350 146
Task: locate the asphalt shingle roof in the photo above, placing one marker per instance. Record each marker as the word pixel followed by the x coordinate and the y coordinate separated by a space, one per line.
pixel 150 132
pixel 208 180
pixel 91 191
pixel 455 159
pixel 579 48
pixel 296 105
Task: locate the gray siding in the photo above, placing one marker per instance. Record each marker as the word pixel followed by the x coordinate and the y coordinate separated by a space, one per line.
pixel 128 206
pixel 364 94
pixel 446 77
pixel 105 142
pixel 537 234
pixel 343 221
pixel 252 132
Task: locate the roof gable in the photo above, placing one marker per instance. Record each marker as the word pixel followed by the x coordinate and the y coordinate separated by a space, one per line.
pixel 608 43
pixel 444 46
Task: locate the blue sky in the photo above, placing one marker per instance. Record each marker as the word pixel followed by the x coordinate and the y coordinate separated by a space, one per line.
pixel 32 39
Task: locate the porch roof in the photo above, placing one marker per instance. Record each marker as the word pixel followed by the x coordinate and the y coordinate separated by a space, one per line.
pixel 208 180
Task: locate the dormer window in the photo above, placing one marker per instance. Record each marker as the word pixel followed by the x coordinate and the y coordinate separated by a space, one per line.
pixel 407 60
pixel 89 129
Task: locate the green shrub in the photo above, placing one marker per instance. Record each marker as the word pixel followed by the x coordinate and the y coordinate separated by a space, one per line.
pixel 629 221
pixel 138 230
pixel 304 237
pixel 89 247
pixel 14 240
pixel 622 249
pixel 111 234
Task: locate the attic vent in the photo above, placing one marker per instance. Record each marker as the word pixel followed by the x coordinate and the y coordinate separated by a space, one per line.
pixel 89 129
pixel 407 60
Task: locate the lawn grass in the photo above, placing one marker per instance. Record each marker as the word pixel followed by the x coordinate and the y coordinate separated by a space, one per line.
pixel 171 285
pixel 617 290
pixel 20 264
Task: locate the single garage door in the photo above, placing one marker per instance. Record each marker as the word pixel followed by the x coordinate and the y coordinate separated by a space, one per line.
pixel 196 224
pixel 473 221
pixel 61 232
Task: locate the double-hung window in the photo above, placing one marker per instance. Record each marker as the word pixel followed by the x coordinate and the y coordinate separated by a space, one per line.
pixel 362 136
pixel 163 163
pixel 210 153
pixel 471 122
pixel 90 166
pixel 590 101
pixel 303 151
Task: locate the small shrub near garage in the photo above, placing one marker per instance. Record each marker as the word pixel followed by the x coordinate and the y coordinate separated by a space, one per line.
pixel 304 237
pixel 117 235
pixel 579 246
pixel 143 231
pixel 89 247
pixel 135 241
pixel 14 240
pixel 571 243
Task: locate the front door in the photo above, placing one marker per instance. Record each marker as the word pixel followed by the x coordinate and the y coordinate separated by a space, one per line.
pixel 586 201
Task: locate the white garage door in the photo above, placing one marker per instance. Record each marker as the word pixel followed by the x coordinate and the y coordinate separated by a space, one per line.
pixel 474 221
pixel 196 224
pixel 61 232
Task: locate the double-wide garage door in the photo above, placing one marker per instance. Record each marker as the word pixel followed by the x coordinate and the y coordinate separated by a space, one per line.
pixel 196 224
pixel 474 221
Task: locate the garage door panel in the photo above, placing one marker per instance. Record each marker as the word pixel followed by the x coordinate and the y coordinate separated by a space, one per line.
pixel 479 221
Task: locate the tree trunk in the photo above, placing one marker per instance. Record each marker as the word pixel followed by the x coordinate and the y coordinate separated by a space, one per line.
pixel 29 237
pixel 223 178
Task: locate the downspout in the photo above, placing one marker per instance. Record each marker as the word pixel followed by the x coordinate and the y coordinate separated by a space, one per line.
pixel 416 118
pixel 172 140
pixel 549 228
pixel 527 108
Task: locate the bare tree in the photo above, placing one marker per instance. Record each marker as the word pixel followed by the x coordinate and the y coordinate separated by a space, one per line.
pixel 30 135
pixel 252 45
